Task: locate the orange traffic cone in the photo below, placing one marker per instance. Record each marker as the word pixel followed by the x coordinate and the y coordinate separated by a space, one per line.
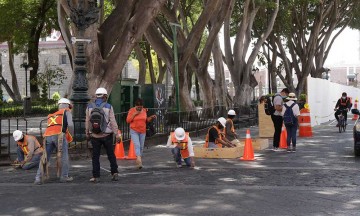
pixel 131 153
pixel 119 148
pixel 248 149
pixel 283 138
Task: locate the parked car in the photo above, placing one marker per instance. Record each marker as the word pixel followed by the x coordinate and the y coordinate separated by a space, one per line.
pixel 356 133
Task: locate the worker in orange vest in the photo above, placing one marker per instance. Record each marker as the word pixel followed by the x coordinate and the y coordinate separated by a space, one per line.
pixel 29 150
pixel 58 135
pixel 215 138
pixel 230 132
pixel 182 147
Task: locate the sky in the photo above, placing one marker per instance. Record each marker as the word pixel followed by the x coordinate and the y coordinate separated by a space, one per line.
pixel 345 50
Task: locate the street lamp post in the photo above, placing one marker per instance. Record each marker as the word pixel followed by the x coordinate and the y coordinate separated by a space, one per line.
pixel 82 15
pixel 25 65
pixel 173 28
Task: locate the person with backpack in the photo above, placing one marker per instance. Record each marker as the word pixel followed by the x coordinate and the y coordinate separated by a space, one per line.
pixel 137 118
pixel 58 135
pixel 100 127
pixel 29 150
pixel 290 114
pixel 343 106
pixel 276 116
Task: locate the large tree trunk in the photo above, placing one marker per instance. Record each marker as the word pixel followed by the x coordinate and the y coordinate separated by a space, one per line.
pixel 112 41
pixel 142 64
pixel 14 83
pixel 220 83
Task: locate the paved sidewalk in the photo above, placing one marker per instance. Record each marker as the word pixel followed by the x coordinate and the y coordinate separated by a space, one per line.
pixel 319 179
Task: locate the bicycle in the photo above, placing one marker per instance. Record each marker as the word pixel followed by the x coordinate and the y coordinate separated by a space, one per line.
pixel 342 121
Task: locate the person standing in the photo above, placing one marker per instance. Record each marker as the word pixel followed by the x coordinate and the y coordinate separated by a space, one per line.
pixel 215 138
pixel 137 118
pixel 291 128
pixel 58 135
pixel 182 147
pixel 230 133
pixel 29 150
pixel 277 118
pixel 100 127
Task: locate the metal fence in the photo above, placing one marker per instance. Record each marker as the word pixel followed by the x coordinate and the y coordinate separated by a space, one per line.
pixel 166 121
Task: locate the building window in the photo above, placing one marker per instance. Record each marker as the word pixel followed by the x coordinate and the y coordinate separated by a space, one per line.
pixel 62 59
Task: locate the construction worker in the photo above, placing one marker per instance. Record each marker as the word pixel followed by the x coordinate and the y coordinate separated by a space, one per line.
pixel 29 150
pixel 100 126
pixel 215 138
pixel 58 135
pixel 182 147
pixel 230 133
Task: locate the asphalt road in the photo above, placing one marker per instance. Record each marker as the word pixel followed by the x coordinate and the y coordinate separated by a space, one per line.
pixel 321 178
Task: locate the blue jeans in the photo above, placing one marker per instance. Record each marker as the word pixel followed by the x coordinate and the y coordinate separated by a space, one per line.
pixel 138 140
pixel 291 134
pixel 34 162
pixel 177 157
pixel 51 144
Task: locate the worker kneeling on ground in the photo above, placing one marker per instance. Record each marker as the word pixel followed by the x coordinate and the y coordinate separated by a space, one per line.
pixel 182 147
pixel 230 133
pixel 215 137
pixel 29 150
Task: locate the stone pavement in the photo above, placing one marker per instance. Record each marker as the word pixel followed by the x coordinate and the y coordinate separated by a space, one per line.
pixel 319 179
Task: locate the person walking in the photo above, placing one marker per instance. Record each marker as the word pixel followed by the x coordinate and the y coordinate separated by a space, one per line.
pixel 137 118
pixel 277 118
pixel 182 147
pixel 58 135
pixel 29 150
pixel 230 133
pixel 100 127
pixel 290 115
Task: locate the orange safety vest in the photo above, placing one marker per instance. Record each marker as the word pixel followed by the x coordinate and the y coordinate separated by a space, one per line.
pixel 344 103
pixel 55 124
pixel 183 145
pixel 216 142
pixel 232 126
pixel 24 145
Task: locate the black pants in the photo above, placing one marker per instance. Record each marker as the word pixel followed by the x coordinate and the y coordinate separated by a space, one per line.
pixel 338 113
pixel 108 145
pixel 278 122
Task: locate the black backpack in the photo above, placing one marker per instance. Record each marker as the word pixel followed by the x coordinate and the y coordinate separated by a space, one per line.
pixel 98 119
pixel 269 105
pixel 289 118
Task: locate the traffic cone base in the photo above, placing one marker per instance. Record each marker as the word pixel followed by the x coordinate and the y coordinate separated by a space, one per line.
pixel 248 149
pixel 131 153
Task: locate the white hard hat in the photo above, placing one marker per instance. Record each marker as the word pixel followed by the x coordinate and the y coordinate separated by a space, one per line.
pixel 64 101
pixel 231 112
pixel 222 121
pixel 179 133
pixel 18 135
pixel 100 92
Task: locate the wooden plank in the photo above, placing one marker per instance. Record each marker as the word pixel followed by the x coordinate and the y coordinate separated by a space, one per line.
pixel 266 126
pixel 201 152
pixel 258 143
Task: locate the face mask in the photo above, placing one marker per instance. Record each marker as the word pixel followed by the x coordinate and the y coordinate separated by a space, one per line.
pixel 343 98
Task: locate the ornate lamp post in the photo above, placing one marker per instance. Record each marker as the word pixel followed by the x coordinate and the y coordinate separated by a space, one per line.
pixel 82 15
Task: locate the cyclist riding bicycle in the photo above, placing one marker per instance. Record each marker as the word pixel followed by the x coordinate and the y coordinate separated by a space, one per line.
pixel 343 106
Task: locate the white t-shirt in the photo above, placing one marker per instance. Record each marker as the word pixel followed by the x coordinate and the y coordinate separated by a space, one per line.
pixel 295 108
pixel 278 101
